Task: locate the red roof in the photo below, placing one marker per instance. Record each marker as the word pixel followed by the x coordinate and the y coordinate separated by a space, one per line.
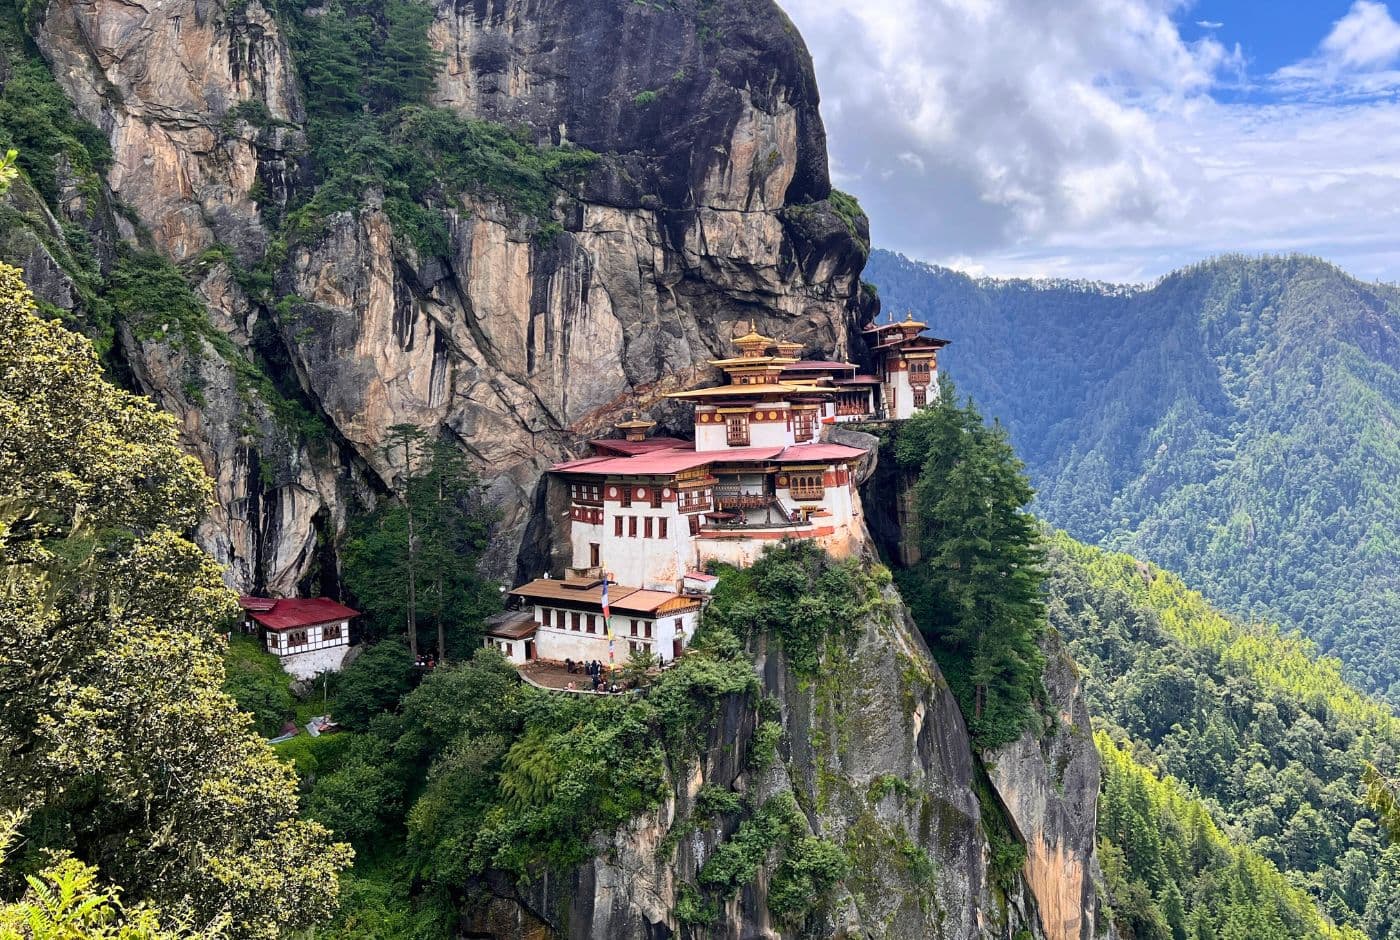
pixel 257 603
pixel 625 448
pixel 807 453
pixel 678 459
pixel 580 466
pixel 289 613
pixel 819 365
pixel 656 463
pixel 742 454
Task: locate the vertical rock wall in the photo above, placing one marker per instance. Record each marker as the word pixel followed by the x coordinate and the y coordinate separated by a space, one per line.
pixel 706 210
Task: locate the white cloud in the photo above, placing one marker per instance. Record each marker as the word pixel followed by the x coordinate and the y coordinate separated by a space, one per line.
pixel 1353 60
pixel 1209 24
pixel 1366 37
pixel 1082 138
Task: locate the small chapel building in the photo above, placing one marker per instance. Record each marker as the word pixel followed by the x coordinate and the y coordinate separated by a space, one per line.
pixel 308 636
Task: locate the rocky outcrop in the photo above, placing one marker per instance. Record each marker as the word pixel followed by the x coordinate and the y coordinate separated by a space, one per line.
pixel 877 756
pixel 164 81
pixel 1049 783
pixel 706 210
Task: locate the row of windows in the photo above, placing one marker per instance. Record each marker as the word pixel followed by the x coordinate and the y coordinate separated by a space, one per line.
pixel 589 623
pixel 806 486
pixel 298 637
pixel 652 527
pixel 586 491
pixel 694 499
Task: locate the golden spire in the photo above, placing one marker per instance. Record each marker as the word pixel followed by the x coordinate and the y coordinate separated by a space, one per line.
pixel 636 429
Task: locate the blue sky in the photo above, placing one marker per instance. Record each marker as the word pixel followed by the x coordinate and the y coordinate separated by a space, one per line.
pixel 1115 139
pixel 1272 35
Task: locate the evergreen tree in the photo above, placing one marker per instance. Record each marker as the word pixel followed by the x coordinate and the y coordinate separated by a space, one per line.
pixel 414 560
pixel 976 590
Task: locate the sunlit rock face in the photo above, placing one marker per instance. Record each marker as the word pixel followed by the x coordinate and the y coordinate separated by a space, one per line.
pixel 514 346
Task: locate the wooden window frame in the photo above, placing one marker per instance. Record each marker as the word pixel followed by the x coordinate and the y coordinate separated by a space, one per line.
pixel 647 527
pixel 736 430
pixel 575 621
pixel 807 486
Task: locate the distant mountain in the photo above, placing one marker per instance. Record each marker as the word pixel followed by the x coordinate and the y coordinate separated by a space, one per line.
pixel 1237 422
pixel 1257 733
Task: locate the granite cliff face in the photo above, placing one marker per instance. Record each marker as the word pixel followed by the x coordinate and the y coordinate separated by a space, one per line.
pixel 706 209
pixel 876 754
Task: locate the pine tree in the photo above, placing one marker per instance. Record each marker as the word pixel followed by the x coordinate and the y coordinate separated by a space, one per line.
pixel 414 559
pixel 976 592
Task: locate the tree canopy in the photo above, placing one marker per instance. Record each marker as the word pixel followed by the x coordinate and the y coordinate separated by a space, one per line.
pixel 115 740
pixel 975 592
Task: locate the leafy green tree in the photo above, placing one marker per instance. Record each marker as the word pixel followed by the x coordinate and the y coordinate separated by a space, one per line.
pixel 64 901
pixel 976 589
pixel 256 680
pixel 1384 795
pixel 375 682
pixel 115 739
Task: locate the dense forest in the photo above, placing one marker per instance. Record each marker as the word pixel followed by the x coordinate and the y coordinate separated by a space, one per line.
pixel 1233 422
pixel 1270 739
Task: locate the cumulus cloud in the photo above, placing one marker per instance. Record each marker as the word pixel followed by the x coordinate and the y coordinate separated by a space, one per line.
pixel 1355 59
pixel 1209 24
pixel 1083 137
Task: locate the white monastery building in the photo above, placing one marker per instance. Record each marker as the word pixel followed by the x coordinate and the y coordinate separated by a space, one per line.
pixel 309 636
pixel 646 514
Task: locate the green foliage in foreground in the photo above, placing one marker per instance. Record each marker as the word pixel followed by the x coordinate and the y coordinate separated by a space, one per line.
pixel 975 593
pixel 1171 873
pixel 255 680
pixel 474 770
pixel 116 741
pixel 1269 734
pixel 1234 423
pixel 65 901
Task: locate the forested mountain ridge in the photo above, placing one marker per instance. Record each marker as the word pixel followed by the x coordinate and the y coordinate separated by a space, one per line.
pixel 1236 423
pixel 1268 736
